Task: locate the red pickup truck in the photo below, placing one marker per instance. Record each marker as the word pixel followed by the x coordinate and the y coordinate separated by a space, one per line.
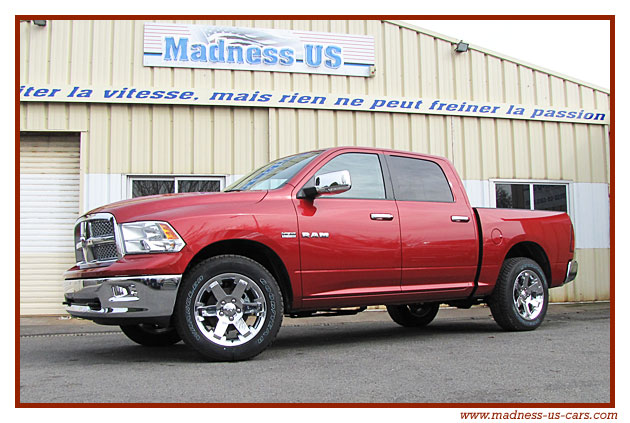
pixel 323 232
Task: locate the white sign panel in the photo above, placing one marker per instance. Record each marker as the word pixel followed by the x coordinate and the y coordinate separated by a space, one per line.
pixel 255 49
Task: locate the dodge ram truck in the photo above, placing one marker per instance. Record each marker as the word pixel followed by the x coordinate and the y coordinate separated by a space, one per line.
pixel 317 233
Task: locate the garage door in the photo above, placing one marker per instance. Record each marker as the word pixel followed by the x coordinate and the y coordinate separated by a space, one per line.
pixel 49 206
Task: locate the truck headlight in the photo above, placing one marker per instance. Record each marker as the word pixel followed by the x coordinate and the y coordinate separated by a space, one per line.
pixel 150 237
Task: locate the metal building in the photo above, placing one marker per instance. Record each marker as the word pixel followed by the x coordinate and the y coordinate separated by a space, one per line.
pixel 115 109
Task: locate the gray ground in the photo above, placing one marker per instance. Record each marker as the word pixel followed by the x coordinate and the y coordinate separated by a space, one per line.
pixel 462 356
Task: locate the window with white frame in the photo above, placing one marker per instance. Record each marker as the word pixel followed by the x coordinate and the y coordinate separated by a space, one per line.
pixel 534 195
pixel 140 186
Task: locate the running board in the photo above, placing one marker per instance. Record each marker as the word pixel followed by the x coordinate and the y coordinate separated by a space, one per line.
pixel 330 312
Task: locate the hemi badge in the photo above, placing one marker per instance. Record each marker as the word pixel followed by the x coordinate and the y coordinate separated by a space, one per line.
pixel 288 234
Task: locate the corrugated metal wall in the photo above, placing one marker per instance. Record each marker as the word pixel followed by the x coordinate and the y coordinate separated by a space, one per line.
pixel 197 139
pixel 215 140
pixel 409 63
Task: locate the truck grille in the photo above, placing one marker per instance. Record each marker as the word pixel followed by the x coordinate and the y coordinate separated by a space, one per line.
pixel 95 240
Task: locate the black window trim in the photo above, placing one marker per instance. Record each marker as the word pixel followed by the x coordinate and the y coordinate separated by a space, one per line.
pixel 532 182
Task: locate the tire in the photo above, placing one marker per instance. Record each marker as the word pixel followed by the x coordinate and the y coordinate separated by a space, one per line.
pixel 228 308
pixel 520 298
pixel 413 315
pixel 150 335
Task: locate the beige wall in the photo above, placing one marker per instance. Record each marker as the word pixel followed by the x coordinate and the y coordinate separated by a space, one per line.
pixel 409 63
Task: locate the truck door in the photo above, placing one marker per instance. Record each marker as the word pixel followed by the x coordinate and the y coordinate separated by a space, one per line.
pixel 350 242
pixel 438 230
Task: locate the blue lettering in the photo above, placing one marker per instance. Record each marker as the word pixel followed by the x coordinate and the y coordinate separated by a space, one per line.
pixel 198 53
pixel 308 55
pixel 177 51
pixel 212 53
pixel 270 56
pixel 253 56
pixel 286 57
pixel 334 60
pixel 239 54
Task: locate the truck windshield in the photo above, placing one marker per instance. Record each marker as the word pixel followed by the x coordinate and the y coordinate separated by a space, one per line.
pixel 273 175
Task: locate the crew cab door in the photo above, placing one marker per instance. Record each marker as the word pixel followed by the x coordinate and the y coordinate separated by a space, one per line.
pixel 349 242
pixel 438 229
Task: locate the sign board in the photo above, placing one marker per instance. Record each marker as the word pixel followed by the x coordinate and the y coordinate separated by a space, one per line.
pixel 307 100
pixel 257 49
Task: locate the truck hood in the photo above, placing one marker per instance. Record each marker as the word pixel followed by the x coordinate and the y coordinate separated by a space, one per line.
pixel 167 206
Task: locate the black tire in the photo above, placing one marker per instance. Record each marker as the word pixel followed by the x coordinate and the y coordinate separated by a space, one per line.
pixel 228 287
pixel 151 335
pixel 413 315
pixel 520 298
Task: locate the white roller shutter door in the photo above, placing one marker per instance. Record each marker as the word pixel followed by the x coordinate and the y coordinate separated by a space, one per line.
pixel 49 206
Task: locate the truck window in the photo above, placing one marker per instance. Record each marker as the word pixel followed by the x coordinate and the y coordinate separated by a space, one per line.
pixel 419 180
pixel 273 175
pixel 365 172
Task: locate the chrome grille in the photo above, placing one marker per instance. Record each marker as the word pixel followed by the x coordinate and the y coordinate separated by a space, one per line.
pixel 95 240
pixel 105 252
pixel 101 227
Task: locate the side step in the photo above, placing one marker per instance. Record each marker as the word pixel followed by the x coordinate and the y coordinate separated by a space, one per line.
pixel 329 312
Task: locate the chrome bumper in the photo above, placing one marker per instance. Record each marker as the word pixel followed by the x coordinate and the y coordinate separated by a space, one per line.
pixel 572 270
pixel 130 297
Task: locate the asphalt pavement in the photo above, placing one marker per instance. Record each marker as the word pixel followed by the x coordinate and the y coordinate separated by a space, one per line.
pixel 462 357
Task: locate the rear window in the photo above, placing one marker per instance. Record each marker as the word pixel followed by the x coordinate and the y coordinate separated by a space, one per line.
pixel 419 180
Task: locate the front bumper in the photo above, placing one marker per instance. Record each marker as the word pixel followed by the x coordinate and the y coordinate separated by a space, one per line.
pixel 119 300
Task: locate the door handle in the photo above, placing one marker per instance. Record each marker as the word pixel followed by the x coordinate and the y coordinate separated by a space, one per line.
pixel 381 216
pixel 462 219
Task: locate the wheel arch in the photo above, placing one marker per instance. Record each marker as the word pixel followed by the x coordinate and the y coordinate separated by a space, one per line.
pixel 256 251
pixel 534 252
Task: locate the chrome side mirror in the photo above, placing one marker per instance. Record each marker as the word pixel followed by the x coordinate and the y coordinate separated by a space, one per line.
pixel 328 183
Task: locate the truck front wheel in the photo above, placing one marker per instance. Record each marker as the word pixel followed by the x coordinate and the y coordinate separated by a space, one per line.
pixel 413 315
pixel 520 298
pixel 228 308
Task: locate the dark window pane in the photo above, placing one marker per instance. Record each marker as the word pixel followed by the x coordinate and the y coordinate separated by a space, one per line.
pixel 198 186
pixel 141 188
pixel 419 180
pixel 365 173
pixel 550 197
pixel 513 196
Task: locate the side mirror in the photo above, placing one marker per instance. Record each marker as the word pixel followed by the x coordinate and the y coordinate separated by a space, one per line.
pixel 328 183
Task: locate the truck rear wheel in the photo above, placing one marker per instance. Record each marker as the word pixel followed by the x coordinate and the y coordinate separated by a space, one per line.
pixel 520 298
pixel 413 315
pixel 151 335
pixel 229 308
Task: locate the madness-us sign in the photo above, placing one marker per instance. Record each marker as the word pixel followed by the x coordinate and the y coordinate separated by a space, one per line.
pixel 257 49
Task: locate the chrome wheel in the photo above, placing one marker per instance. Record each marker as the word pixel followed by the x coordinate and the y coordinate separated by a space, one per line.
pixel 230 309
pixel 528 295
